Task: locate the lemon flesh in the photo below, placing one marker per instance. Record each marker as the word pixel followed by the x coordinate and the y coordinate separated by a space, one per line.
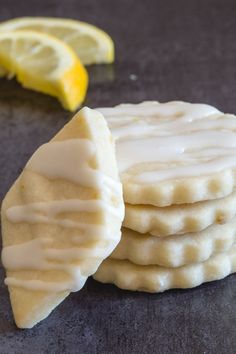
pixel 43 63
pixel 91 44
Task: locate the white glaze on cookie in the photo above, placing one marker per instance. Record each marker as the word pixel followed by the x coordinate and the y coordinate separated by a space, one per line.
pixel 156 142
pixel 37 255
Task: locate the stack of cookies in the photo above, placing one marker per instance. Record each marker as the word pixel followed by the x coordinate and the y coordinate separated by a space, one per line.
pixel 62 217
pixel 177 164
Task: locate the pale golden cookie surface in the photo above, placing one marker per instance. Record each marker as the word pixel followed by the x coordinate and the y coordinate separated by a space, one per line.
pixel 176 250
pixel 154 279
pixel 179 219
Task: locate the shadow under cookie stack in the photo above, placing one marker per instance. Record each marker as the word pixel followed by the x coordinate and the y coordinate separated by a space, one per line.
pixel 176 162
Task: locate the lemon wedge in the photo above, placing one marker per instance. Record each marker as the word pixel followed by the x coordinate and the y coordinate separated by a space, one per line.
pixel 3 72
pixel 92 45
pixel 43 63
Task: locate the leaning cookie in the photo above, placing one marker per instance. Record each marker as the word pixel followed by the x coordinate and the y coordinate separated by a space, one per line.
pixel 174 152
pixel 154 279
pixel 179 219
pixel 61 217
pixel 176 250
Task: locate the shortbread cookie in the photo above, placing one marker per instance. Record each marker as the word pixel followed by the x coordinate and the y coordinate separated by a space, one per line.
pixel 61 217
pixel 177 250
pixel 173 153
pixel 154 279
pixel 179 219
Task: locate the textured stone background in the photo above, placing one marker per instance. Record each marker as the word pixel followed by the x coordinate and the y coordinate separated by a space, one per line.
pixel 181 49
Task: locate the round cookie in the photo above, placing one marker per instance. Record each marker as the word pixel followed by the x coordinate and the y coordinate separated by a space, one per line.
pixel 179 219
pixel 174 152
pixel 154 279
pixel 176 250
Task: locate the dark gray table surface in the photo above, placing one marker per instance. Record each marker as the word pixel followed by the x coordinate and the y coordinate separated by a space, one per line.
pixel 177 50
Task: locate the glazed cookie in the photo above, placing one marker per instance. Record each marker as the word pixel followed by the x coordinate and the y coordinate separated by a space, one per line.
pixel 154 279
pixel 61 217
pixel 179 219
pixel 173 153
pixel 177 250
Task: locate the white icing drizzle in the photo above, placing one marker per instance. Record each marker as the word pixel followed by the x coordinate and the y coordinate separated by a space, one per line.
pixel 178 139
pixel 43 259
pixel 67 160
pixel 37 255
pixel 46 212
pixel 23 256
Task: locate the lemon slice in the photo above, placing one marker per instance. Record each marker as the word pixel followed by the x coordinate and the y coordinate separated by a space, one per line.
pixel 3 72
pixel 43 63
pixel 92 45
